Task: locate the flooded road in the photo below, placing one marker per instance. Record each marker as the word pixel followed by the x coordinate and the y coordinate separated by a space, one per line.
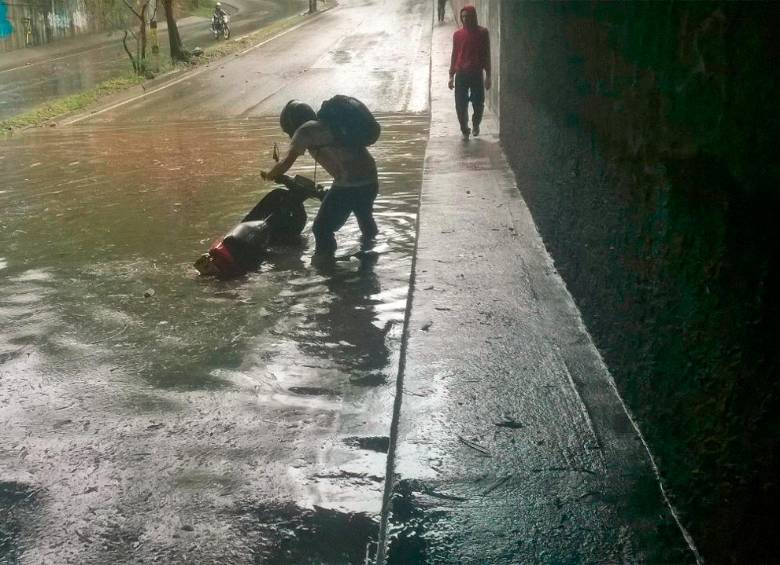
pixel 148 414
pixel 100 58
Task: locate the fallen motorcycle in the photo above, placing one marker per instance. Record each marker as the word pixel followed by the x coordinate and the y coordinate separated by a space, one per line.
pixel 278 218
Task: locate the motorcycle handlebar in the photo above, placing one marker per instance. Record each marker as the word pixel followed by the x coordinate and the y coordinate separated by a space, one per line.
pixel 302 185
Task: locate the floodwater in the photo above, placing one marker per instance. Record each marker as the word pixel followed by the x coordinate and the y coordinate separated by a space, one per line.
pixel 147 413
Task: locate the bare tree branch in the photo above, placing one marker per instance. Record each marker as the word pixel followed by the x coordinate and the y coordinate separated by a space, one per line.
pixel 137 15
pixel 129 54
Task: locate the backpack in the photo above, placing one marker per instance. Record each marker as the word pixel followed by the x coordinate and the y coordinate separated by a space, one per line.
pixel 350 121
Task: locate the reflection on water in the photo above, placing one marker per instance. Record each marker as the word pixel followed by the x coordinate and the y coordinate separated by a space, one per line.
pixel 103 225
pixel 108 330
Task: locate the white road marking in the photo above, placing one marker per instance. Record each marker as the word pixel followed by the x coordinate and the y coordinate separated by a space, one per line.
pixel 187 76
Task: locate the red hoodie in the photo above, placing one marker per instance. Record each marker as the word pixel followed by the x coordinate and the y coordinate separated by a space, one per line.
pixel 470 47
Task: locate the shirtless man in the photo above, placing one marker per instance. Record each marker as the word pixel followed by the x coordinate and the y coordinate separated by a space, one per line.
pixel 355 182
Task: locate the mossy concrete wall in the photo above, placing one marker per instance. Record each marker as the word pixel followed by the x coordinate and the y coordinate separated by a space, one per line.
pixel 644 136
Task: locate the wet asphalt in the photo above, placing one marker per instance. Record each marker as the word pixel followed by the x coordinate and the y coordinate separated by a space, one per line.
pixel 150 415
pixel 33 76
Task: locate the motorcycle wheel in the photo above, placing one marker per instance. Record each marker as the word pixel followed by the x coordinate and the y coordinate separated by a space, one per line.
pixel 225 31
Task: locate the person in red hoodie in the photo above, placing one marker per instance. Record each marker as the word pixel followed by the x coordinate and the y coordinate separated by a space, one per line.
pixel 470 70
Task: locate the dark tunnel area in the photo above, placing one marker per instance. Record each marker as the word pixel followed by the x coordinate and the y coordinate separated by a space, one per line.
pixel 644 139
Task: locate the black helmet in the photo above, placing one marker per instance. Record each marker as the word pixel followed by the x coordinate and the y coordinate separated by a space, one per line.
pixel 294 115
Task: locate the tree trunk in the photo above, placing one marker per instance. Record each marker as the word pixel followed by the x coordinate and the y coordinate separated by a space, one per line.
pixel 178 53
pixel 142 35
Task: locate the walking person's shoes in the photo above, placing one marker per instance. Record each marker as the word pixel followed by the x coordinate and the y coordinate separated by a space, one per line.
pixel 475 130
pixel 466 132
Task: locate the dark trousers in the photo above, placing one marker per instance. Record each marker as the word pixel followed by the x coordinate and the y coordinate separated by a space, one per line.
pixel 338 204
pixel 442 5
pixel 469 87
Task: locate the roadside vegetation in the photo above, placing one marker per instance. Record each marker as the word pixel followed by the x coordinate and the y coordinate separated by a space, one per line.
pixel 203 8
pixel 46 113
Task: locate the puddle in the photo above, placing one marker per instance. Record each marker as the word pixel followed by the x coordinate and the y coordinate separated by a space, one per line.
pixel 313 391
pixel 288 534
pixel 378 444
pixel 17 505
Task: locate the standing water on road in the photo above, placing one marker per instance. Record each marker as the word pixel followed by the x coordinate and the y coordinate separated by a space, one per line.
pixel 148 413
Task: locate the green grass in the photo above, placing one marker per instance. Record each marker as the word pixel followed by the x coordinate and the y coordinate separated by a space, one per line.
pixel 204 9
pixel 73 103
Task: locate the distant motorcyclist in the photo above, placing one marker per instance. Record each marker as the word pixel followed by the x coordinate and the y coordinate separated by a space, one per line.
pixel 219 15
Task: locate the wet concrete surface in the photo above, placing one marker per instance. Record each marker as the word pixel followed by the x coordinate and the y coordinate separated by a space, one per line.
pixel 149 414
pixel 63 69
pixel 512 444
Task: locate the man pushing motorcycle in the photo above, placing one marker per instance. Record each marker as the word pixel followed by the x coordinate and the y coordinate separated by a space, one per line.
pixel 336 138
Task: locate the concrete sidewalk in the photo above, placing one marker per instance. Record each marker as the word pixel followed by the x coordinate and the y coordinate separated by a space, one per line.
pixel 512 445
